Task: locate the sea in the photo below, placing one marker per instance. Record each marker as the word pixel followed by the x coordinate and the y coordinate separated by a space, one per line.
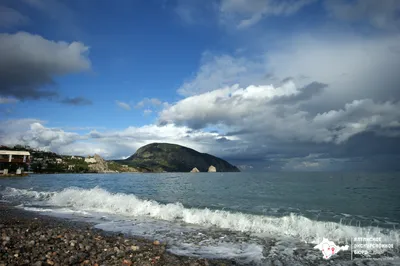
pixel 251 218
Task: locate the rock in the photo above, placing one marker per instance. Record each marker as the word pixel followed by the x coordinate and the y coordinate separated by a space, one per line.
pixel 195 170
pixel 212 169
pixel 134 248
pixel 73 259
pixel 156 243
pixel 127 262
pixel 99 166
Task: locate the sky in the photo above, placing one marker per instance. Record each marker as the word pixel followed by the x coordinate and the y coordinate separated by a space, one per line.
pixel 290 85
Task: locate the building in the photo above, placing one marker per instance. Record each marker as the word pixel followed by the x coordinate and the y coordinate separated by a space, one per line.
pixel 13 161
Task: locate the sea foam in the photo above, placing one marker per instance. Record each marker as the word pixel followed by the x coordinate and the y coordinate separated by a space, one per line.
pixel 98 200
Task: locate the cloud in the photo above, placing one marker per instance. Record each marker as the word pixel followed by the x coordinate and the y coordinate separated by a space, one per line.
pixel 31 132
pixel 10 18
pixel 148 102
pixel 77 101
pixel 305 93
pixel 380 14
pixel 195 11
pixel 359 67
pixel 315 93
pixel 123 105
pixel 147 112
pixel 4 100
pixel 246 13
pixel 217 71
pixel 257 108
pixel 368 151
pixel 239 13
pixel 29 64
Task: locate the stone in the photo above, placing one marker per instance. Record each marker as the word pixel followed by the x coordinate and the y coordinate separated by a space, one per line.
pixel 134 248
pixel 195 170
pixel 212 169
pixel 127 262
pixel 156 243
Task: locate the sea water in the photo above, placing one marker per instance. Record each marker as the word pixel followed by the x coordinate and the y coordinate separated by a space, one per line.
pixel 254 218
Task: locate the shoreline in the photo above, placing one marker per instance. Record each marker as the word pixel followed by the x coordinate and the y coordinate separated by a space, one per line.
pixel 29 238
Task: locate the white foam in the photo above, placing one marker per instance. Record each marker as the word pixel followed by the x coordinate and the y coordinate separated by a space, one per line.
pixel 98 200
pixel 10 193
pixel 246 253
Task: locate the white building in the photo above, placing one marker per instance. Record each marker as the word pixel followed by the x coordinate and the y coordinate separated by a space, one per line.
pixel 18 158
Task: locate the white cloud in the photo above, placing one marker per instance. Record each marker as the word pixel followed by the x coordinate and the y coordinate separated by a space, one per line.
pixel 148 102
pixel 123 105
pixel 239 13
pixel 31 132
pixel 246 13
pixel 224 70
pixel 147 112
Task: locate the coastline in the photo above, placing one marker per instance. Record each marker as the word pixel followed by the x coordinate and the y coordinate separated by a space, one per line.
pixel 32 239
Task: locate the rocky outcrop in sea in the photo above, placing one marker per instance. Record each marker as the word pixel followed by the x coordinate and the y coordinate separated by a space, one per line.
pixel 195 170
pixel 212 169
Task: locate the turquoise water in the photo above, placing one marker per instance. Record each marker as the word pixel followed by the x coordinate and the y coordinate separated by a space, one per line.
pixel 193 211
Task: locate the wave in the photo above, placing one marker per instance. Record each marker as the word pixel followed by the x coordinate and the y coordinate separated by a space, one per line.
pixel 99 200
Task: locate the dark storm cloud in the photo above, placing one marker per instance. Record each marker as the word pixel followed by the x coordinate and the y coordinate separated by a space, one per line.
pixel 29 64
pixel 286 79
pixel 382 14
pixel 77 101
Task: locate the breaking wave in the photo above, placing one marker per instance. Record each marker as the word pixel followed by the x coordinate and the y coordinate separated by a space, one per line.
pixel 98 200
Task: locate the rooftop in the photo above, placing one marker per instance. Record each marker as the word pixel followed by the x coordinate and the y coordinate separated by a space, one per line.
pixel 4 152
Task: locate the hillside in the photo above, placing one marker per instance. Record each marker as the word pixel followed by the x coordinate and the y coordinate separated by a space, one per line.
pixel 165 157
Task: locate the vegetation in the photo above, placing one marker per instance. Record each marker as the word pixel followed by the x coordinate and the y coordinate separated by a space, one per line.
pixel 165 157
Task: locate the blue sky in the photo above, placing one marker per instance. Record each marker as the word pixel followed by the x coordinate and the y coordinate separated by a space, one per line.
pixel 278 85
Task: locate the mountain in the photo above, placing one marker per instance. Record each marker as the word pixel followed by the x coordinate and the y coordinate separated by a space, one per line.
pixel 165 157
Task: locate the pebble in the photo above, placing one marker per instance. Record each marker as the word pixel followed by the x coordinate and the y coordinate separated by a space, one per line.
pixel 55 242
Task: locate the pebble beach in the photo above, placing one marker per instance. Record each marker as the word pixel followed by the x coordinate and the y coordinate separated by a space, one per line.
pixel 33 239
